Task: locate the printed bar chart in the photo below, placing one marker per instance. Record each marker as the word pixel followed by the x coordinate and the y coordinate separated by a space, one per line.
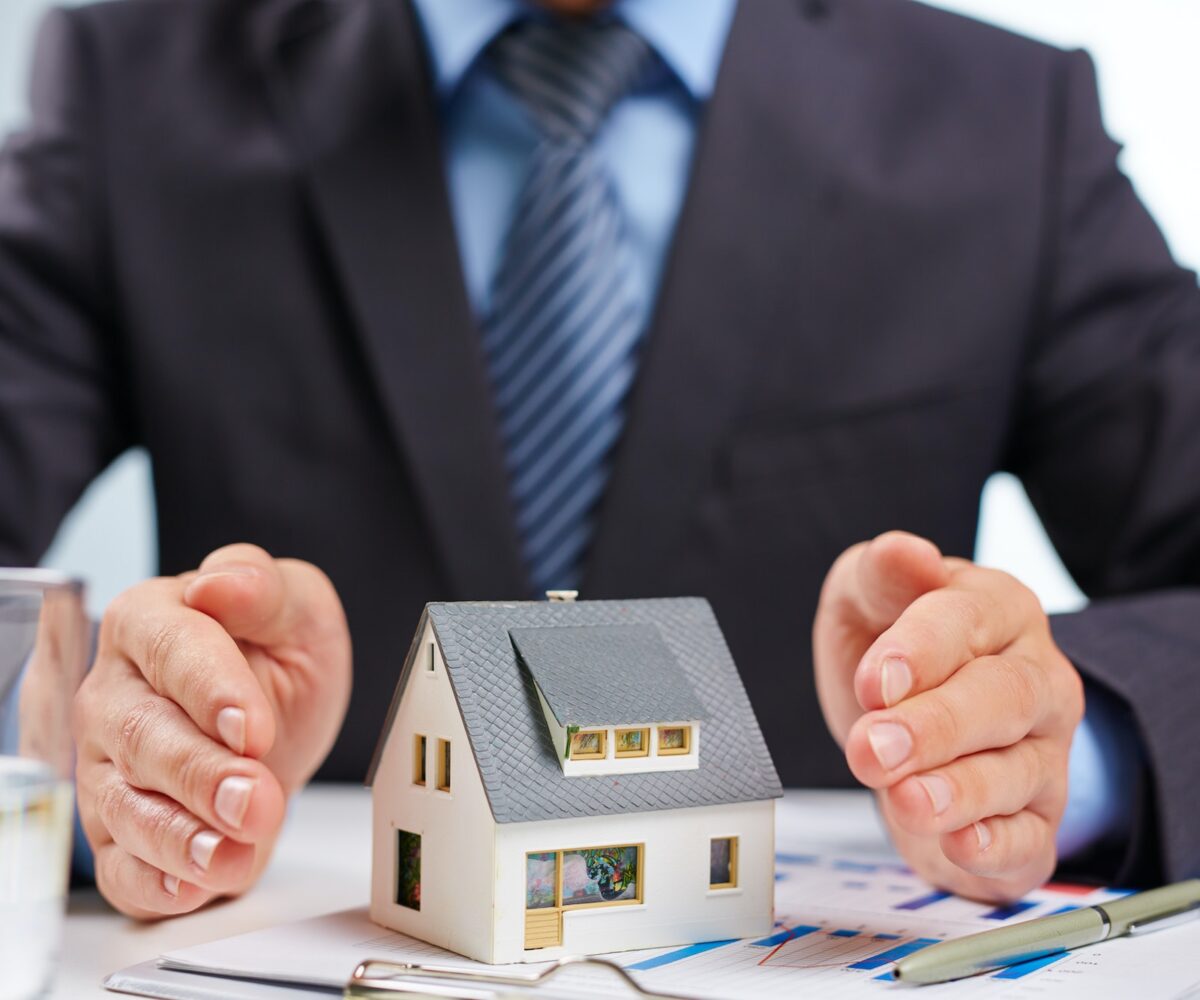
pixel 893 954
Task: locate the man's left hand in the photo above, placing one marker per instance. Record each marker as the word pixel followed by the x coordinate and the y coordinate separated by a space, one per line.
pixel 942 683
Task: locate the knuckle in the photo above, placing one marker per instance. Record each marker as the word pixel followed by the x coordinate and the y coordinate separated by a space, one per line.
pixel 1020 685
pixel 110 800
pixel 133 735
pixel 939 728
pixel 197 777
pixel 976 613
pixel 165 643
pixel 166 827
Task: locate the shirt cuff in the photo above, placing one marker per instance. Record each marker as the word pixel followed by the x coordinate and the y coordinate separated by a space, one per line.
pixel 1102 774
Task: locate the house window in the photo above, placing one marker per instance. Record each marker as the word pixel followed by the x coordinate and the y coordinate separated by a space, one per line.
pixel 722 863
pixel 541 880
pixel 599 876
pixel 419 759
pixel 588 744
pixel 674 740
pixel 408 869
pixel 443 766
pixel 431 660
pixel 594 876
pixel 633 742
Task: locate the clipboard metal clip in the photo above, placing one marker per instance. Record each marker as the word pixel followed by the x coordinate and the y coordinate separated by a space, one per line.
pixel 379 979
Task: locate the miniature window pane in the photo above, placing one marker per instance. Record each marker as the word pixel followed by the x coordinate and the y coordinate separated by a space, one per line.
pixel 587 744
pixel 443 765
pixel 633 742
pixel 722 863
pixel 408 869
pixel 674 739
pixel 601 875
pixel 541 880
pixel 419 760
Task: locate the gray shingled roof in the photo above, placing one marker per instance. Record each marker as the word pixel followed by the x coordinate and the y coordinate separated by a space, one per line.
pixel 607 675
pixel 508 733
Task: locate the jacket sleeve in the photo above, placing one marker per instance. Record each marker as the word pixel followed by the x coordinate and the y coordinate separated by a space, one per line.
pixel 1107 443
pixel 60 420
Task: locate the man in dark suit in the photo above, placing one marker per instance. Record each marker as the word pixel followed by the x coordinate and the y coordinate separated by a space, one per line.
pixel 352 271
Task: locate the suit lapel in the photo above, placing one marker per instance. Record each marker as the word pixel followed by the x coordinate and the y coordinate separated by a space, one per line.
pixel 739 277
pixel 350 82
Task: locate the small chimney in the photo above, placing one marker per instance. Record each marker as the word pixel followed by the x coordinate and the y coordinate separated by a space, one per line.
pixel 562 596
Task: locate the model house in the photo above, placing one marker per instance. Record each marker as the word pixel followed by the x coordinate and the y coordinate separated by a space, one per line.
pixel 570 778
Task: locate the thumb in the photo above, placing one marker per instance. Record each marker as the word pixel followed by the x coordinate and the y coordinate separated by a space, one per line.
pixel 892 571
pixel 269 602
pixel 867 589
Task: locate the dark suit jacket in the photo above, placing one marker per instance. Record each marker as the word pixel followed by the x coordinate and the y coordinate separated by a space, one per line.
pixel 906 259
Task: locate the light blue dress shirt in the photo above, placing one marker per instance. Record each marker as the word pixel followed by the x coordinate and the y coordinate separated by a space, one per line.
pixel 647 144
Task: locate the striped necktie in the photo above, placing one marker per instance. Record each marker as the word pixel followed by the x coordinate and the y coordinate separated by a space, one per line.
pixel 565 319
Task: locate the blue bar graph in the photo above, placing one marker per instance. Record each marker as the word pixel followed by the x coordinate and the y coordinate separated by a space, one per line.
pixel 922 901
pixel 677 956
pixel 787 934
pixel 1063 909
pixel 797 859
pixel 864 867
pixel 886 937
pixel 893 954
pixel 1025 968
pixel 1010 910
pixel 844 933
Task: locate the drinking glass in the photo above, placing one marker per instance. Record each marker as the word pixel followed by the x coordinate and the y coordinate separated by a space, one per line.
pixel 45 640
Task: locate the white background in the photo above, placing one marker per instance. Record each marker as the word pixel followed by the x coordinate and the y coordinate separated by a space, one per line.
pixel 1150 83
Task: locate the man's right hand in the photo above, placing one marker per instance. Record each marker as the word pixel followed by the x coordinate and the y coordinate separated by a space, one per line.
pixel 214 696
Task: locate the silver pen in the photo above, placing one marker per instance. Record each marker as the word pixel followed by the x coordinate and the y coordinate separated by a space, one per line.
pixel 1053 935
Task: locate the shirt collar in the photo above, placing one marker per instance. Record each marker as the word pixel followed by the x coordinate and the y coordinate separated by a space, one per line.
pixel 689 35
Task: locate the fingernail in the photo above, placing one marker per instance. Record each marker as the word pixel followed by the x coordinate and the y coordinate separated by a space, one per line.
pixel 939 792
pixel 231 724
pixel 202 847
pixel 895 679
pixel 984 835
pixel 891 742
pixel 170 885
pixel 241 572
pixel 233 799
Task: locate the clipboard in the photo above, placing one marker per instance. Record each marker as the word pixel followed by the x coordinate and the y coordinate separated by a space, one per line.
pixel 379 979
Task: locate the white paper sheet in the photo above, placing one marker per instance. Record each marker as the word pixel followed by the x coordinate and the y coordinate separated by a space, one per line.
pixel 840 921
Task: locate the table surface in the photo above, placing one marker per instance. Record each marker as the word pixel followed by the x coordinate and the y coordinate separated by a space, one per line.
pixel 322 864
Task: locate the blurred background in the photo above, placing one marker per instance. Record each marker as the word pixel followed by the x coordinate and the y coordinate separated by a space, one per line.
pixel 1149 79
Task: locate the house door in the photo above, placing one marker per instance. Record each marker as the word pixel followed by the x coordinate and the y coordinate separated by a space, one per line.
pixel 543 908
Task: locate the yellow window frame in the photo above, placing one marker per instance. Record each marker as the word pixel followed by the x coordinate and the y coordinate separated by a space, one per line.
pixel 419 766
pixel 733 864
pixel 443 766
pixel 674 751
pixel 643 752
pixel 558 879
pixel 600 755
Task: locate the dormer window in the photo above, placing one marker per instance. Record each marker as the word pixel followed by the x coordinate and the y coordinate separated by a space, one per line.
pixel 614 698
pixel 633 743
pixel 588 744
pixel 674 740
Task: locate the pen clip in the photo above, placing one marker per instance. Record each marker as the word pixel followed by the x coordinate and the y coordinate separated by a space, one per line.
pixel 1162 921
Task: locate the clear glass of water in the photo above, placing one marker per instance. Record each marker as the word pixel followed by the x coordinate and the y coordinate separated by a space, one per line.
pixel 45 641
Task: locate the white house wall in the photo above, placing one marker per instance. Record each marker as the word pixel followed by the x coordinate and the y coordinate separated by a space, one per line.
pixel 456 827
pixel 677 905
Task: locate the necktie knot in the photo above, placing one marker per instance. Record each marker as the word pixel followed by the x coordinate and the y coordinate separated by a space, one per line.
pixel 568 74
